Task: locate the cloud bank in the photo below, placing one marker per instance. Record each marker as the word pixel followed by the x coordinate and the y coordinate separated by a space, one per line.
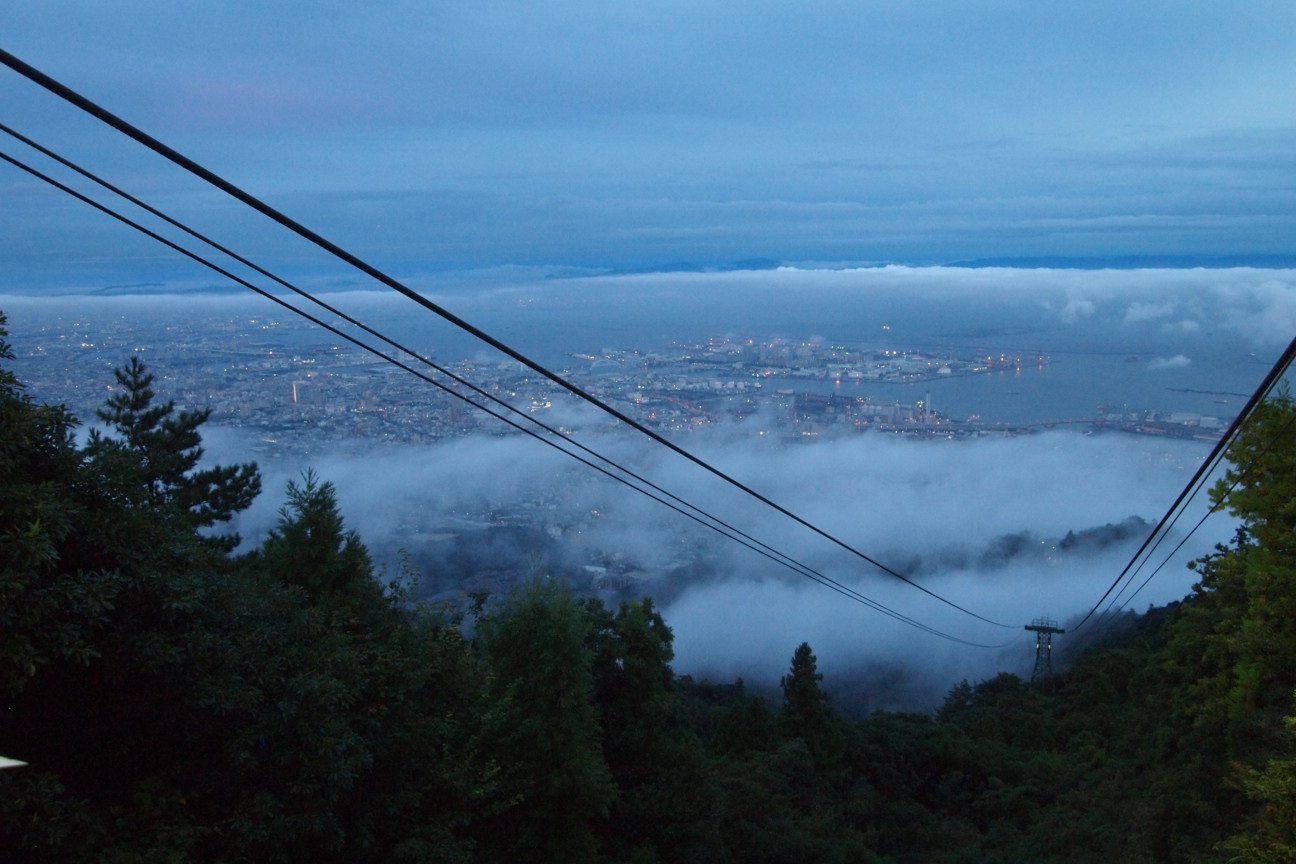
pixel 989 516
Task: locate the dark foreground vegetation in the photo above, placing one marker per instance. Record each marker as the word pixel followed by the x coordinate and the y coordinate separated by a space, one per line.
pixel 179 702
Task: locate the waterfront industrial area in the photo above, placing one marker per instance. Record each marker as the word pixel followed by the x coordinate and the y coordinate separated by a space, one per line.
pixel 300 390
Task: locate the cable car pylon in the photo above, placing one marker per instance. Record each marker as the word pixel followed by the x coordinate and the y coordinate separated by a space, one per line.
pixel 1044 629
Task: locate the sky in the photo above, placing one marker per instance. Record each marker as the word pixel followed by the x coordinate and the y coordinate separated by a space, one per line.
pixel 432 136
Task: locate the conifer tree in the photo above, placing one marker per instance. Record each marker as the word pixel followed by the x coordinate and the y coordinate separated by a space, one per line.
pixel 805 705
pixel 807 715
pixel 159 448
pixel 311 548
pixel 102 624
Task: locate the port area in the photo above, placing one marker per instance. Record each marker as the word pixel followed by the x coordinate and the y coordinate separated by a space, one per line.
pixel 1166 424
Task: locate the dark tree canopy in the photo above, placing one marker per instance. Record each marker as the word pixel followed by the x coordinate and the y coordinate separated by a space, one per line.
pixel 51 601
pixel 546 734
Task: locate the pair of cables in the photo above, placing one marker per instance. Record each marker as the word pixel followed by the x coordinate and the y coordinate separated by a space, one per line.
pixel 613 470
pixel 624 475
pixel 1125 579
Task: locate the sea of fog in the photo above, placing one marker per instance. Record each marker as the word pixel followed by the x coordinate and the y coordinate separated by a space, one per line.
pixel 980 522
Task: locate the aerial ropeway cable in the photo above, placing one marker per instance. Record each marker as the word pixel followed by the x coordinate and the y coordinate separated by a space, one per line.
pixel 1116 604
pixel 301 230
pixel 699 515
pixel 1198 480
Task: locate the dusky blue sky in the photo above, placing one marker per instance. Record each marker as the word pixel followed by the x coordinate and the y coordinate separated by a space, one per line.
pixel 432 135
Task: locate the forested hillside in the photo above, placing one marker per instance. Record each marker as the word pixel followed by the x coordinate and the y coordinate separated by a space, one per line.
pixel 178 701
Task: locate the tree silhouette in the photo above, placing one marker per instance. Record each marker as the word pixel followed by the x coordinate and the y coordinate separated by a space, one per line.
pixel 156 450
pixel 805 705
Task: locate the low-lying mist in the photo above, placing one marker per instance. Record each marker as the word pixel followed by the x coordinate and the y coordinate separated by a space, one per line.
pixel 1010 529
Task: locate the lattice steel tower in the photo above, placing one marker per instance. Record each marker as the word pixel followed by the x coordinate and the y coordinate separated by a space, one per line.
pixel 1044 629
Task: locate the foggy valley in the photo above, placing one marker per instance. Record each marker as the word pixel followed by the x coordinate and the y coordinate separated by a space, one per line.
pixel 984 521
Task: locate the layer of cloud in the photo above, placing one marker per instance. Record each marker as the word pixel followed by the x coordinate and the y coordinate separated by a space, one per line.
pixel 1160 364
pixel 736 613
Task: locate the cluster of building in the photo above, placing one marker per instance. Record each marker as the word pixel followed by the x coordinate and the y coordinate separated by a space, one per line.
pixel 1168 424
pixel 300 393
pixel 820 360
